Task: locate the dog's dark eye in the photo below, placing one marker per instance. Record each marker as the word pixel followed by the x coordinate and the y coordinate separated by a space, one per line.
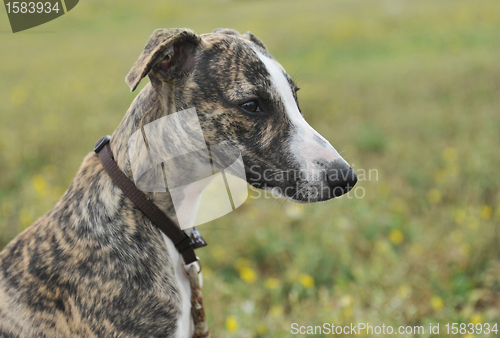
pixel 251 107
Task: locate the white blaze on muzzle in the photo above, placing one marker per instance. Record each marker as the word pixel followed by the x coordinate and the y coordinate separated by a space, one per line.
pixel 306 144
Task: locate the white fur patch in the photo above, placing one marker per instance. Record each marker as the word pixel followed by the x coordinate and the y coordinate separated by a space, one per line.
pixel 185 325
pixel 305 141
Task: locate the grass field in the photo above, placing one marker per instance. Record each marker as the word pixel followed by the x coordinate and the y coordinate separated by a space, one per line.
pixel 410 90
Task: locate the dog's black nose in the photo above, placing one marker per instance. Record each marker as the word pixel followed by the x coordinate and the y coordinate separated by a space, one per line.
pixel 341 179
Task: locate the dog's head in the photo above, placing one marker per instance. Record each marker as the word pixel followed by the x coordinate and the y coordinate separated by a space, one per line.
pixel 244 97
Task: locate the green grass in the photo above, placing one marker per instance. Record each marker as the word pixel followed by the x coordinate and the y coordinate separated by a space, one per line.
pixel 408 88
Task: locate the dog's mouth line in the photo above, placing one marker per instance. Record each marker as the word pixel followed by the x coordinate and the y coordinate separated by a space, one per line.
pixel 265 184
pixel 300 194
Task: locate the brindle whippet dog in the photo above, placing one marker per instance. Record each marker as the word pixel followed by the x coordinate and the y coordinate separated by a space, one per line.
pixel 94 265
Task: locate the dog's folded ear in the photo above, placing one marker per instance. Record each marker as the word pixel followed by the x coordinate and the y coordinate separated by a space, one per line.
pixel 169 54
pixel 249 36
pixel 227 31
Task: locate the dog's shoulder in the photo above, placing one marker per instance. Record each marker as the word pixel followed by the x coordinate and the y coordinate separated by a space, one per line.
pixel 91 266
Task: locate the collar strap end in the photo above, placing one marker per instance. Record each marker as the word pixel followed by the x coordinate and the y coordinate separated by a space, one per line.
pixel 101 143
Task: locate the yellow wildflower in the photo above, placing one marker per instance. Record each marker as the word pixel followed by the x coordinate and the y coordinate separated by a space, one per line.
pixel 276 311
pixel 232 324
pixel 306 281
pixel 437 303
pixel 248 274
pixel 396 236
pixel 476 319
pixel 346 301
pixel 40 185
pixel 486 212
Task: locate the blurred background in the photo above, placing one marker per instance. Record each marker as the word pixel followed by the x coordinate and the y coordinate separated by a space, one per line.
pixel 410 90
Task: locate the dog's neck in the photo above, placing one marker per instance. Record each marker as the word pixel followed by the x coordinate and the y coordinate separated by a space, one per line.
pixel 147 107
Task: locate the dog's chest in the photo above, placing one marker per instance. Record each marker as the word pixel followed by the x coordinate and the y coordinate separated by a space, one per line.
pixel 185 326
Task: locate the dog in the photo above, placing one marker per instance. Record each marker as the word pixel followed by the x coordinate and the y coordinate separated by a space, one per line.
pixel 94 265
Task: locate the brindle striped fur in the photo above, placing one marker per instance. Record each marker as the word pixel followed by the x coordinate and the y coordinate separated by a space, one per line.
pixel 94 265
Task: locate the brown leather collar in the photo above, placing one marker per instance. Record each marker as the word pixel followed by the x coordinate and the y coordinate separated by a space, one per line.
pixel 183 243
